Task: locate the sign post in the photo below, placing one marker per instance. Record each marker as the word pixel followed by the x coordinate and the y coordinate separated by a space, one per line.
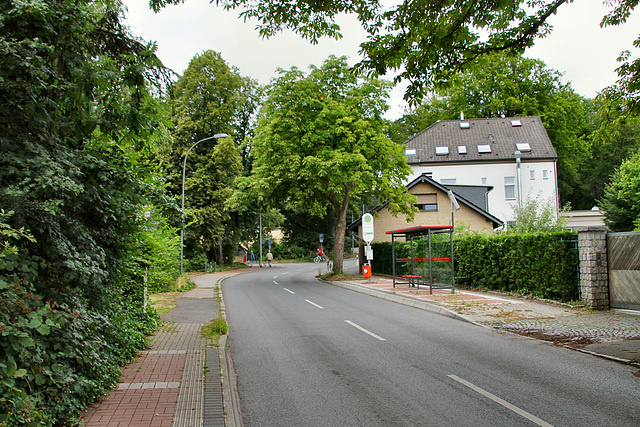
pixel 367 236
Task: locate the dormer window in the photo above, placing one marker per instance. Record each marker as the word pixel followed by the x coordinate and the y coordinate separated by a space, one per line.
pixel 442 151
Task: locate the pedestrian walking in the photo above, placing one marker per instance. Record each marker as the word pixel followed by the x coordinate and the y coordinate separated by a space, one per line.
pixel 251 258
pixel 269 258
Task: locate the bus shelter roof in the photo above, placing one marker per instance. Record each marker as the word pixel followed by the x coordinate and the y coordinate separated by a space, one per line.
pixel 420 230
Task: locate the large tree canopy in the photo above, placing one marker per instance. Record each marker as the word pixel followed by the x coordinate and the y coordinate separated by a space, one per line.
pixel 424 41
pixel 211 97
pixel 77 116
pixel 320 142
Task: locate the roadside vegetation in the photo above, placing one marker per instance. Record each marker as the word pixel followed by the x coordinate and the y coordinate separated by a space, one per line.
pixel 95 132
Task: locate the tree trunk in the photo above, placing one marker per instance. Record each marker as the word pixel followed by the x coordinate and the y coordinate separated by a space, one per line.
pixel 220 253
pixel 338 242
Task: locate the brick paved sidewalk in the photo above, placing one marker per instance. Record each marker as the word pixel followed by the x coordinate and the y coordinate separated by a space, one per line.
pixel 166 385
pixel 166 382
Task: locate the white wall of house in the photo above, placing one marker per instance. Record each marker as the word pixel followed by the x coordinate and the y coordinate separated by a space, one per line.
pixel 538 179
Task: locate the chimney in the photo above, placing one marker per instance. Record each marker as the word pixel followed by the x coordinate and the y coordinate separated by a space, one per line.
pixel 461 115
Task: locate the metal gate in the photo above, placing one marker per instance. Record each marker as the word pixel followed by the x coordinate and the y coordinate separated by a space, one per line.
pixel 623 254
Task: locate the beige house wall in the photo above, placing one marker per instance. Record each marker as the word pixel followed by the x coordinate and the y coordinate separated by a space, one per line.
pixel 384 221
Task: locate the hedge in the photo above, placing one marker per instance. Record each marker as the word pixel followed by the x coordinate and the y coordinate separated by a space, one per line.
pixel 540 264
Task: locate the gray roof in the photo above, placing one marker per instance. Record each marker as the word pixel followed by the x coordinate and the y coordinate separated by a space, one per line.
pixel 497 137
pixel 476 194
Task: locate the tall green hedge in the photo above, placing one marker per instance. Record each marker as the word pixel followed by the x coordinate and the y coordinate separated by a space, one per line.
pixel 540 264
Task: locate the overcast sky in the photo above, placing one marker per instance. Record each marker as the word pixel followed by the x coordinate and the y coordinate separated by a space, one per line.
pixel 577 47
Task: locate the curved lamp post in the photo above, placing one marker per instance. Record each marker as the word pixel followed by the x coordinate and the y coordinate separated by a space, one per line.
pixel 184 171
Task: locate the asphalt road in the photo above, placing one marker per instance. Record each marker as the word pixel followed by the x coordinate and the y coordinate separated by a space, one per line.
pixel 311 354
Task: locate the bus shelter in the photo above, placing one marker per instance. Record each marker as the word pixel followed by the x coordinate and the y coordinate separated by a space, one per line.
pixel 417 278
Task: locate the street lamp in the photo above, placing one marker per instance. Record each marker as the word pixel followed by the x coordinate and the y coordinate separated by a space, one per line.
pixel 518 156
pixel 454 206
pixel 184 171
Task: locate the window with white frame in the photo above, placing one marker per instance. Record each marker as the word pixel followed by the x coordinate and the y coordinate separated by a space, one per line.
pixel 510 187
pixel 545 174
pixel 483 180
pixel 448 181
pixel 532 174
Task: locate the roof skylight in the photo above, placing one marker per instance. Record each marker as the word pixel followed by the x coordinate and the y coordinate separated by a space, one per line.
pixel 484 149
pixel 516 123
pixel 464 125
pixel 410 152
pixel 462 149
pixel 442 151
pixel 523 146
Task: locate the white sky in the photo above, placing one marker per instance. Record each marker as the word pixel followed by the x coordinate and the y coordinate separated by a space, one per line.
pixel 577 47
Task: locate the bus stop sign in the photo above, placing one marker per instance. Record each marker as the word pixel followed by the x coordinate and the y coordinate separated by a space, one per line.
pixel 367 228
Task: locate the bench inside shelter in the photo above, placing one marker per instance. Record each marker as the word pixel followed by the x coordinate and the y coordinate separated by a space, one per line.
pixel 426 271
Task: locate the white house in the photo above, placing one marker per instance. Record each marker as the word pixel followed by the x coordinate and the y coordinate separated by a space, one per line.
pixel 514 155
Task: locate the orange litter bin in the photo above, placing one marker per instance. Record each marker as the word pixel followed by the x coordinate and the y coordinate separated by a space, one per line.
pixel 366 271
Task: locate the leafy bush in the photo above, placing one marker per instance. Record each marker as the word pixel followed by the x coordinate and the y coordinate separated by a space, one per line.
pixel 56 358
pixel 195 263
pixel 537 215
pixel 160 247
pixel 285 251
pixel 621 200
pixel 540 264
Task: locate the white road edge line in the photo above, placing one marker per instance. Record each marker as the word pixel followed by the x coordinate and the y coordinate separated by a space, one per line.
pixel 314 304
pixel 289 290
pixel 502 402
pixel 355 325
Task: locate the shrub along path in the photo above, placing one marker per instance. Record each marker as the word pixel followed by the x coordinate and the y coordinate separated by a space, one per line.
pixel 165 386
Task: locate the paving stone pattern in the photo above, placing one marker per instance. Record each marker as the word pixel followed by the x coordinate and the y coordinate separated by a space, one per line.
pixel 595 327
pixel 152 388
pixel 166 385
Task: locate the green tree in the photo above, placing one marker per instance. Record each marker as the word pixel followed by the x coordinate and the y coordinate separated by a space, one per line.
pixel 621 200
pixel 211 97
pixel 320 142
pixel 208 188
pixel 427 42
pixel 77 117
pixel 615 138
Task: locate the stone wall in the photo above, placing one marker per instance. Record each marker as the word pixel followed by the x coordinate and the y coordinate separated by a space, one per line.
pixel 594 276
